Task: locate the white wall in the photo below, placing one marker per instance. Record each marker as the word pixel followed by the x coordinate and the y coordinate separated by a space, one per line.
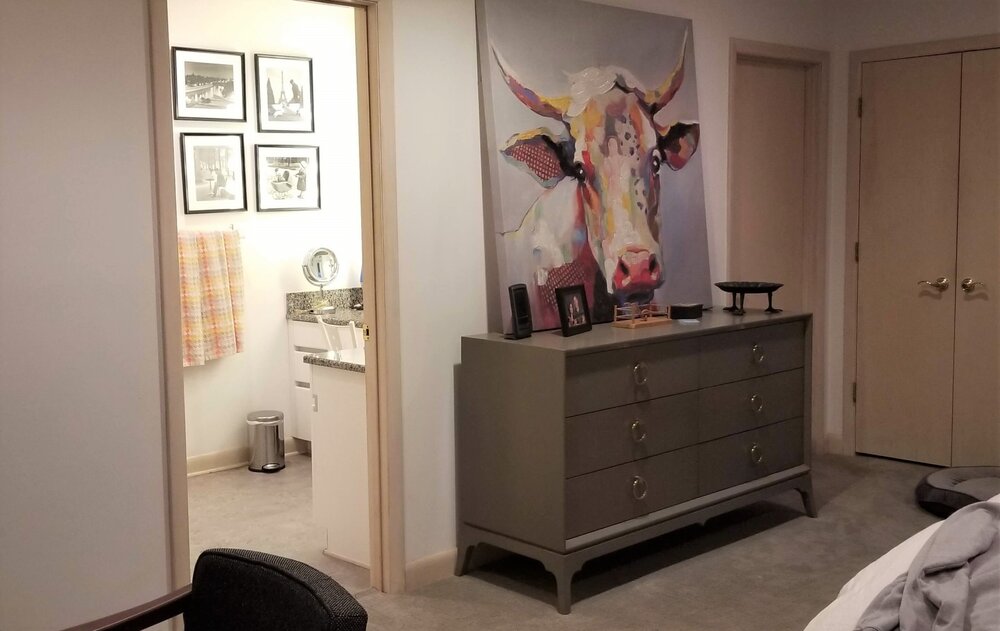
pixel 441 257
pixel 82 500
pixel 219 394
pixel 860 25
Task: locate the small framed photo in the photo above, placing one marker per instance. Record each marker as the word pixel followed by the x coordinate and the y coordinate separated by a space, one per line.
pixel 574 313
pixel 287 177
pixel 213 173
pixel 208 85
pixel 284 94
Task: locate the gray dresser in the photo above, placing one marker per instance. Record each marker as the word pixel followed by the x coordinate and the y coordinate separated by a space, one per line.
pixel 570 448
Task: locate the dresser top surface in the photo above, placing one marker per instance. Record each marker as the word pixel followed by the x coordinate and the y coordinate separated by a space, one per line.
pixel 606 336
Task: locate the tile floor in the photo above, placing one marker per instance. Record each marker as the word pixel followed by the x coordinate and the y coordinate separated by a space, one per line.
pixel 268 512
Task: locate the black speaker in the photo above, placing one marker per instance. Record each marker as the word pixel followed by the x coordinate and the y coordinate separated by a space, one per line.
pixel 520 311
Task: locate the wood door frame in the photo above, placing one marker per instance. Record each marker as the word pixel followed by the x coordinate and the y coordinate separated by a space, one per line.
pixel 381 287
pixel 816 64
pixel 853 210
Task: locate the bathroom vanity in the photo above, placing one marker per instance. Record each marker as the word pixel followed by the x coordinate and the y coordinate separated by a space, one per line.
pixel 340 452
pixel 305 337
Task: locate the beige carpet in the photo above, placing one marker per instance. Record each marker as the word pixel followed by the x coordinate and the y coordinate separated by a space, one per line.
pixel 766 567
pixel 270 512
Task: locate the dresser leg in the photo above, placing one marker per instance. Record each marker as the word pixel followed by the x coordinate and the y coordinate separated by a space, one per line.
pixel 463 560
pixel 806 491
pixel 563 570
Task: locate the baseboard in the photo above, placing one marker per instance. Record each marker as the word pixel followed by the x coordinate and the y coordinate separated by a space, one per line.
pixel 218 461
pixel 221 461
pixel 429 569
pixel 345 559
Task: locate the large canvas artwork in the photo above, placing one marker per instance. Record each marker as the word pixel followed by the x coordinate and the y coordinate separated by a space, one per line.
pixel 591 142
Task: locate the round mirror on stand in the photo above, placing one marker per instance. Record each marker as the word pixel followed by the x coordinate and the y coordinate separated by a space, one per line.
pixel 320 267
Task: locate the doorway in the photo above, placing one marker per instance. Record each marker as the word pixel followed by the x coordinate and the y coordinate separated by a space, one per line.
pixel 374 146
pixel 777 191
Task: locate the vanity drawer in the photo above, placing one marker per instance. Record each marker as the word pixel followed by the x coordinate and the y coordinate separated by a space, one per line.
pixel 744 405
pixel 607 379
pixel 611 437
pixel 614 495
pixel 750 455
pixel 751 353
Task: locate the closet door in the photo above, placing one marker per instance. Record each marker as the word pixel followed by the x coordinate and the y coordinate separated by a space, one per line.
pixel 907 228
pixel 977 316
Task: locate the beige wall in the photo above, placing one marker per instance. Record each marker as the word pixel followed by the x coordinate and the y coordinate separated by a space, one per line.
pixel 82 499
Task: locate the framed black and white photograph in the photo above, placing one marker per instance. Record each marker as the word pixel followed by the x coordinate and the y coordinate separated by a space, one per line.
pixel 208 85
pixel 287 177
pixel 284 94
pixel 213 173
pixel 574 312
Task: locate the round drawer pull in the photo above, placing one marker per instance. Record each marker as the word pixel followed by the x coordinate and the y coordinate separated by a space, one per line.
pixel 758 354
pixel 640 373
pixel 638 431
pixel 639 487
pixel 756 454
pixel 756 403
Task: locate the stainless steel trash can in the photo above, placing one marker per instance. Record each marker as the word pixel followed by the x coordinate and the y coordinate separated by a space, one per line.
pixel 267 440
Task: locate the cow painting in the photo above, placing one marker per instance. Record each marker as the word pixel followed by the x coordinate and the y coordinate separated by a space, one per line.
pixel 602 165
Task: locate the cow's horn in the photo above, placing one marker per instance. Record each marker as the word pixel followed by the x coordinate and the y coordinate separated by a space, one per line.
pixel 658 98
pixel 542 105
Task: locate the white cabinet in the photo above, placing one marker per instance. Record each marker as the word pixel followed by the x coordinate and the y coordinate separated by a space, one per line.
pixel 340 462
pixel 304 338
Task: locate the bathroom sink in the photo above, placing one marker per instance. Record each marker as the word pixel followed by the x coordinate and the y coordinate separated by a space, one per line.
pixel 324 310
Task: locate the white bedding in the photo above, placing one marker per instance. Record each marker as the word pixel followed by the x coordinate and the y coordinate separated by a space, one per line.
pixel 843 613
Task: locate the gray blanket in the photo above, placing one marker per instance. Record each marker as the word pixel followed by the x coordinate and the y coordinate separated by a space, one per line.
pixel 953 583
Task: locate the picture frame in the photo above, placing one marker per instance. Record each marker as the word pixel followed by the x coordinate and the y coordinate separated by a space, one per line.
pixel 213 174
pixel 209 85
pixel 284 94
pixel 574 311
pixel 287 177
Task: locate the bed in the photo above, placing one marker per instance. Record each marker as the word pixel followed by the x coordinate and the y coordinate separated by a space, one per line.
pixel 843 613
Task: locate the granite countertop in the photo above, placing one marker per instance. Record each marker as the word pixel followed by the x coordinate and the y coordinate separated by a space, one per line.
pixel 352 359
pixel 339 317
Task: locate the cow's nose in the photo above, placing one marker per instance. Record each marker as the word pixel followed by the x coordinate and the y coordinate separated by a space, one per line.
pixel 637 271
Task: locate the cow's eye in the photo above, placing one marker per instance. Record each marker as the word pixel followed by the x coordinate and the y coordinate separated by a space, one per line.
pixel 578 171
pixel 656 162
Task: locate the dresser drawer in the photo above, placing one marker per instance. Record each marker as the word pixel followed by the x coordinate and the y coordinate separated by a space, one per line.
pixel 750 455
pixel 744 405
pixel 610 437
pixel 631 490
pixel 607 379
pixel 751 353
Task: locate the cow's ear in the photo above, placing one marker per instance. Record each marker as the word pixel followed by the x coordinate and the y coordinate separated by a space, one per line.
pixel 678 143
pixel 541 154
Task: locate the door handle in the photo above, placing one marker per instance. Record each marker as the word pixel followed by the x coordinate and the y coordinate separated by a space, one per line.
pixel 940 284
pixel 970 284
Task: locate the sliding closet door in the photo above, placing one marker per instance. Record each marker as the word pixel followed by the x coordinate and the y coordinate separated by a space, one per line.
pixel 977 309
pixel 908 218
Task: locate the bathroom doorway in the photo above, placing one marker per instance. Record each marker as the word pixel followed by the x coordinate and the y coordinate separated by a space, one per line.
pixel 222 503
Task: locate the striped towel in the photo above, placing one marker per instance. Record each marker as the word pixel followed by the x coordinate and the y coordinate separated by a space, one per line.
pixel 211 271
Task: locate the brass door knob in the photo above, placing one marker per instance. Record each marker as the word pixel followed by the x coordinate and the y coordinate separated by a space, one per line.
pixel 970 284
pixel 940 284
